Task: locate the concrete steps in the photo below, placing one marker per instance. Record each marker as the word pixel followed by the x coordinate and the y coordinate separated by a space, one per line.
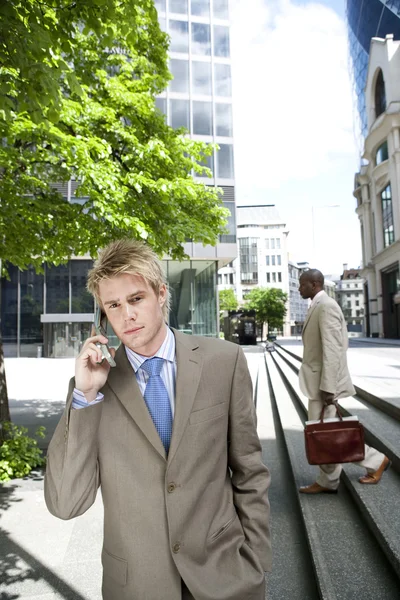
pixel 354 536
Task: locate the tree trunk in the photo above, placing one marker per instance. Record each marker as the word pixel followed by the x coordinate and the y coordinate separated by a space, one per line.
pixel 4 407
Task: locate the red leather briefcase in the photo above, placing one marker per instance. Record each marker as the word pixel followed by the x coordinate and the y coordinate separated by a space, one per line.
pixel 337 440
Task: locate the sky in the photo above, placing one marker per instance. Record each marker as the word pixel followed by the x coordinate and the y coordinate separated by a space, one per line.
pixel 293 124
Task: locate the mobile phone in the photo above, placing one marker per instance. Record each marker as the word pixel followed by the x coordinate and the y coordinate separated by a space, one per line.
pixel 99 317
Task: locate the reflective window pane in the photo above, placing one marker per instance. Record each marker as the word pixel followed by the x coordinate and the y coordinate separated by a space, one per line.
pixel 180 73
pixel 202 118
pixel 201 39
pixel 223 118
pixel 221 9
pixel 57 289
pixel 204 319
pixel 9 299
pixel 225 161
pixel 179 111
pixel 180 280
pixel 163 23
pixel 223 85
pixel 201 74
pixel 161 104
pixel 200 8
pixel 179 32
pixel 81 300
pixel 178 6
pixel 31 309
pixel 160 5
pixel 221 41
pixel 208 162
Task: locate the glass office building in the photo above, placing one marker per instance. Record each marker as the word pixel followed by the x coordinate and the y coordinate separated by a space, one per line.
pixel 367 19
pixel 51 314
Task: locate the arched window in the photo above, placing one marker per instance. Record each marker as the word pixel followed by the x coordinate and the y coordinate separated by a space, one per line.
pixel 380 95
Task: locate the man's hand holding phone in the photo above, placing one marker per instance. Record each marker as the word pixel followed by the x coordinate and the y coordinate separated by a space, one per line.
pixel 91 368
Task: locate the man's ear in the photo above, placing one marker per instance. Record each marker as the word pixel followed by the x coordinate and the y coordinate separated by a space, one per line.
pixel 162 295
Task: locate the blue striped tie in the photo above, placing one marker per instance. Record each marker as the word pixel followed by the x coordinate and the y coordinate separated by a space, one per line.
pixel 157 400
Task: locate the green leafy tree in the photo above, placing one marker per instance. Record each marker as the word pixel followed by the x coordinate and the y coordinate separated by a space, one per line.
pixel 77 88
pixel 227 300
pixel 269 304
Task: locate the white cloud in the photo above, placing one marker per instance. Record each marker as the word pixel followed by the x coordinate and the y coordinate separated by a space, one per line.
pixel 293 116
pixel 291 86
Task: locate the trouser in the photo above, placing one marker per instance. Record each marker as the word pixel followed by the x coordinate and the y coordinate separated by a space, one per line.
pixel 329 475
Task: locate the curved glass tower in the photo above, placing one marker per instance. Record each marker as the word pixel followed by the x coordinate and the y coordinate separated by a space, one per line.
pixel 367 19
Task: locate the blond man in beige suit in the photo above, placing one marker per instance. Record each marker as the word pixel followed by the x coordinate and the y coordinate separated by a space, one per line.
pixel 184 489
pixel 324 376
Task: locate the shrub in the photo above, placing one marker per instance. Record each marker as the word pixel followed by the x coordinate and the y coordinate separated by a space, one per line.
pixel 19 453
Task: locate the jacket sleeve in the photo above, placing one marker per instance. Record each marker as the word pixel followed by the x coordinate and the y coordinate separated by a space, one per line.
pixel 250 477
pixel 72 471
pixel 330 326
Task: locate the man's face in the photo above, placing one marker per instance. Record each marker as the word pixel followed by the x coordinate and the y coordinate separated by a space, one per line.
pixel 306 287
pixel 135 312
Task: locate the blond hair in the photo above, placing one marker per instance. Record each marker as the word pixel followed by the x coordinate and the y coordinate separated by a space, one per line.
pixel 128 256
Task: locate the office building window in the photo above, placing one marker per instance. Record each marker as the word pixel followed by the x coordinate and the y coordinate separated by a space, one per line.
pixel 201 39
pixel 208 161
pixel 273 277
pixel 279 260
pixel 219 279
pixel 179 111
pixel 221 9
pixel 57 289
pixel 382 153
pixel 223 84
pixel 200 8
pixel 161 104
pixel 387 216
pixel 380 95
pixel 180 73
pixel 223 118
pixel 179 7
pixel 278 243
pixel 225 161
pixel 267 244
pixel 267 261
pixel 273 260
pixel 201 75
pixel 357 303
pixel 268 277
pixel 160 5
pixel 221 41
pixel 272 244
pixel 81 300
pixel 202 118
pixel 279 277
pixel 179 32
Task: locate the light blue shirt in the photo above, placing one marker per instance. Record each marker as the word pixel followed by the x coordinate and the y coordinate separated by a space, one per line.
pixel 168 373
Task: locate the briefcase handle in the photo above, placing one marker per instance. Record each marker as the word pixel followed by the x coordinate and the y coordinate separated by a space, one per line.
pixel 338 413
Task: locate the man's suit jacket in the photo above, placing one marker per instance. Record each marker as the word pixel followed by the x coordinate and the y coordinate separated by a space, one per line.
pixel 202 513
pixel 325 340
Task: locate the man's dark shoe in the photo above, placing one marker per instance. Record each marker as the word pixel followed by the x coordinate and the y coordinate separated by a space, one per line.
pixel 374 478
pixel 315 488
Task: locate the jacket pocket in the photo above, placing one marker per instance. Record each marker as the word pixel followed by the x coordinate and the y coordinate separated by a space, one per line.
pixel 205 414
pixel 114 567
pixel 221 530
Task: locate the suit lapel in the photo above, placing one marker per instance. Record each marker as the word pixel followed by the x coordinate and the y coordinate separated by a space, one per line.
pixel 122 381
pixel 189 367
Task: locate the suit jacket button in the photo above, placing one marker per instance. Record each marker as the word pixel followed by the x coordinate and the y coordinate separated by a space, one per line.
pixel 176 547
pixel 171 487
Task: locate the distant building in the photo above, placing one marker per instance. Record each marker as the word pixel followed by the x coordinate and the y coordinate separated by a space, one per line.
pixel 263 257
pixel 297 306
pixel 377 190
pixel 350 297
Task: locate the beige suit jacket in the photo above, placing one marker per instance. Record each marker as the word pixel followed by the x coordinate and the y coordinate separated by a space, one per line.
pixel 202 513
pixel 325 340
